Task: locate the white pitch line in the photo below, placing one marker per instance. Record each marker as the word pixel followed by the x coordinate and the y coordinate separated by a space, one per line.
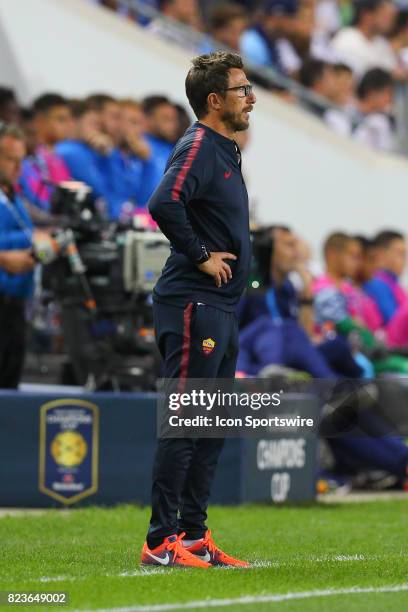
pixel 151 571
pixel 249 599
pixel 128 574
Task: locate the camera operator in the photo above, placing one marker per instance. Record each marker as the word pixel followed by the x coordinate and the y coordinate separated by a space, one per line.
pixel 16 263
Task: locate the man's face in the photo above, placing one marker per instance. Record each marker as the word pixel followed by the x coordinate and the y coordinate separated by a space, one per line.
pixel 384 17
pixel 236 107
pixel 132 121
pixel 88 124
pixel 54 125
pixel 185 11
pixel 344 87
pixel 110 117
pixel 327 85
pixel 12 153
pixel 395 256
pixel 230 35
pixel 163 122
pixel 381 101
pixel 285 253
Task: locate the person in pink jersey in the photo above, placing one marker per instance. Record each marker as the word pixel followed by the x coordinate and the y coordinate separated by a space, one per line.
pixel 45 168
pixel 340 295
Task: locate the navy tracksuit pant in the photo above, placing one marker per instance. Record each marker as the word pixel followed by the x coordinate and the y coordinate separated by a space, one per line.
pixel 198 341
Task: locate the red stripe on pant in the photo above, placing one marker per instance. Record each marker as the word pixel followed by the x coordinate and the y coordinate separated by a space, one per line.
pixel 185 354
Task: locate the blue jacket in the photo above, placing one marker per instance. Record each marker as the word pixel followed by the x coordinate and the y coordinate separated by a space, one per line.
pixel 153 168
pixel 125 181
pixel 15 233
pixel 85 164
pixel 383 295
pixel 202 200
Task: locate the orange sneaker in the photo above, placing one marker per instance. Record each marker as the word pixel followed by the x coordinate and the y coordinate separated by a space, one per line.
pixel 206 550
pixel 171 553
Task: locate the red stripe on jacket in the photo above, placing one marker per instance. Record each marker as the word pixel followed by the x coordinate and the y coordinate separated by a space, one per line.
pixel 191 155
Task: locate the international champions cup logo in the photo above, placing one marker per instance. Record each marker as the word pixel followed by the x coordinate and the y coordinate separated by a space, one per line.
pixel 69 440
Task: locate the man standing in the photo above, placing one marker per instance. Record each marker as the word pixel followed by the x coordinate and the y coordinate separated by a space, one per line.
pixel 16 276
pixel 201 205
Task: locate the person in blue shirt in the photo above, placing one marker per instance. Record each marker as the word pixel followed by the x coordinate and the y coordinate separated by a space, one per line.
pixel 16 234
pixel 384 288
pixel 86 153
pixel 277 325
pixel 161 133
pixel 127 160
pixel 265 44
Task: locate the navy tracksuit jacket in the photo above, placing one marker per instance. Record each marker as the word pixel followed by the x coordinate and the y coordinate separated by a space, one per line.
pixel 201 200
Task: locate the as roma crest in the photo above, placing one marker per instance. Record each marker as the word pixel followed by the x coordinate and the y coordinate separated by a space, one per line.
pixel 69 435
pixel 208 346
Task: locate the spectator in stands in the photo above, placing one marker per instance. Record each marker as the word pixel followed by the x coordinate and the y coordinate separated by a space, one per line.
pixel 9 108
pixel 161 132
pixel 344 88
pixel 277 326
pixel 16 273
pixel 187 13
pixel 374 126
pixel 318 76
pixel 327 81
pixel 82 153
pixel 227 24
pixel 340 119
pixel 266 43
pixel 125 173
pixel 109 117
pixel 183 121
pixel 399 42
pixel 363 45
pixel 45 168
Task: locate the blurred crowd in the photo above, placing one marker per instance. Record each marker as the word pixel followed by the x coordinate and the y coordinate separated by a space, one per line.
pixel 119 148
pixel 350 53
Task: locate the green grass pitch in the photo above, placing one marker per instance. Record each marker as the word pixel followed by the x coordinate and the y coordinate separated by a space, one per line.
pixel 93 555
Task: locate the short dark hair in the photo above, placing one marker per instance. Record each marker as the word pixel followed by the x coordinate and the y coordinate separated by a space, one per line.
pixel 44 103
pixel 365 243
pixel 311 72
pixel 6 95
pixel 375 79
pixel 222 15
pixel 150 103
pixel 365 6
pixel 79 107
pixel 209 74
pixel 98 101
pixel 384 238
pixel 340 67
pixel 401 23
pixel 337 241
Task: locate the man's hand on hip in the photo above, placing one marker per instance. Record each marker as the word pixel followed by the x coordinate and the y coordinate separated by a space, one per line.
pixel 218 268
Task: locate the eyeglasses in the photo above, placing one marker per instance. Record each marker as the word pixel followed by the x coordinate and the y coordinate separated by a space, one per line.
pixel 243 90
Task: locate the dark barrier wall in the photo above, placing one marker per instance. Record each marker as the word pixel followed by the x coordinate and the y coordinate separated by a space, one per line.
pixel 98 449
